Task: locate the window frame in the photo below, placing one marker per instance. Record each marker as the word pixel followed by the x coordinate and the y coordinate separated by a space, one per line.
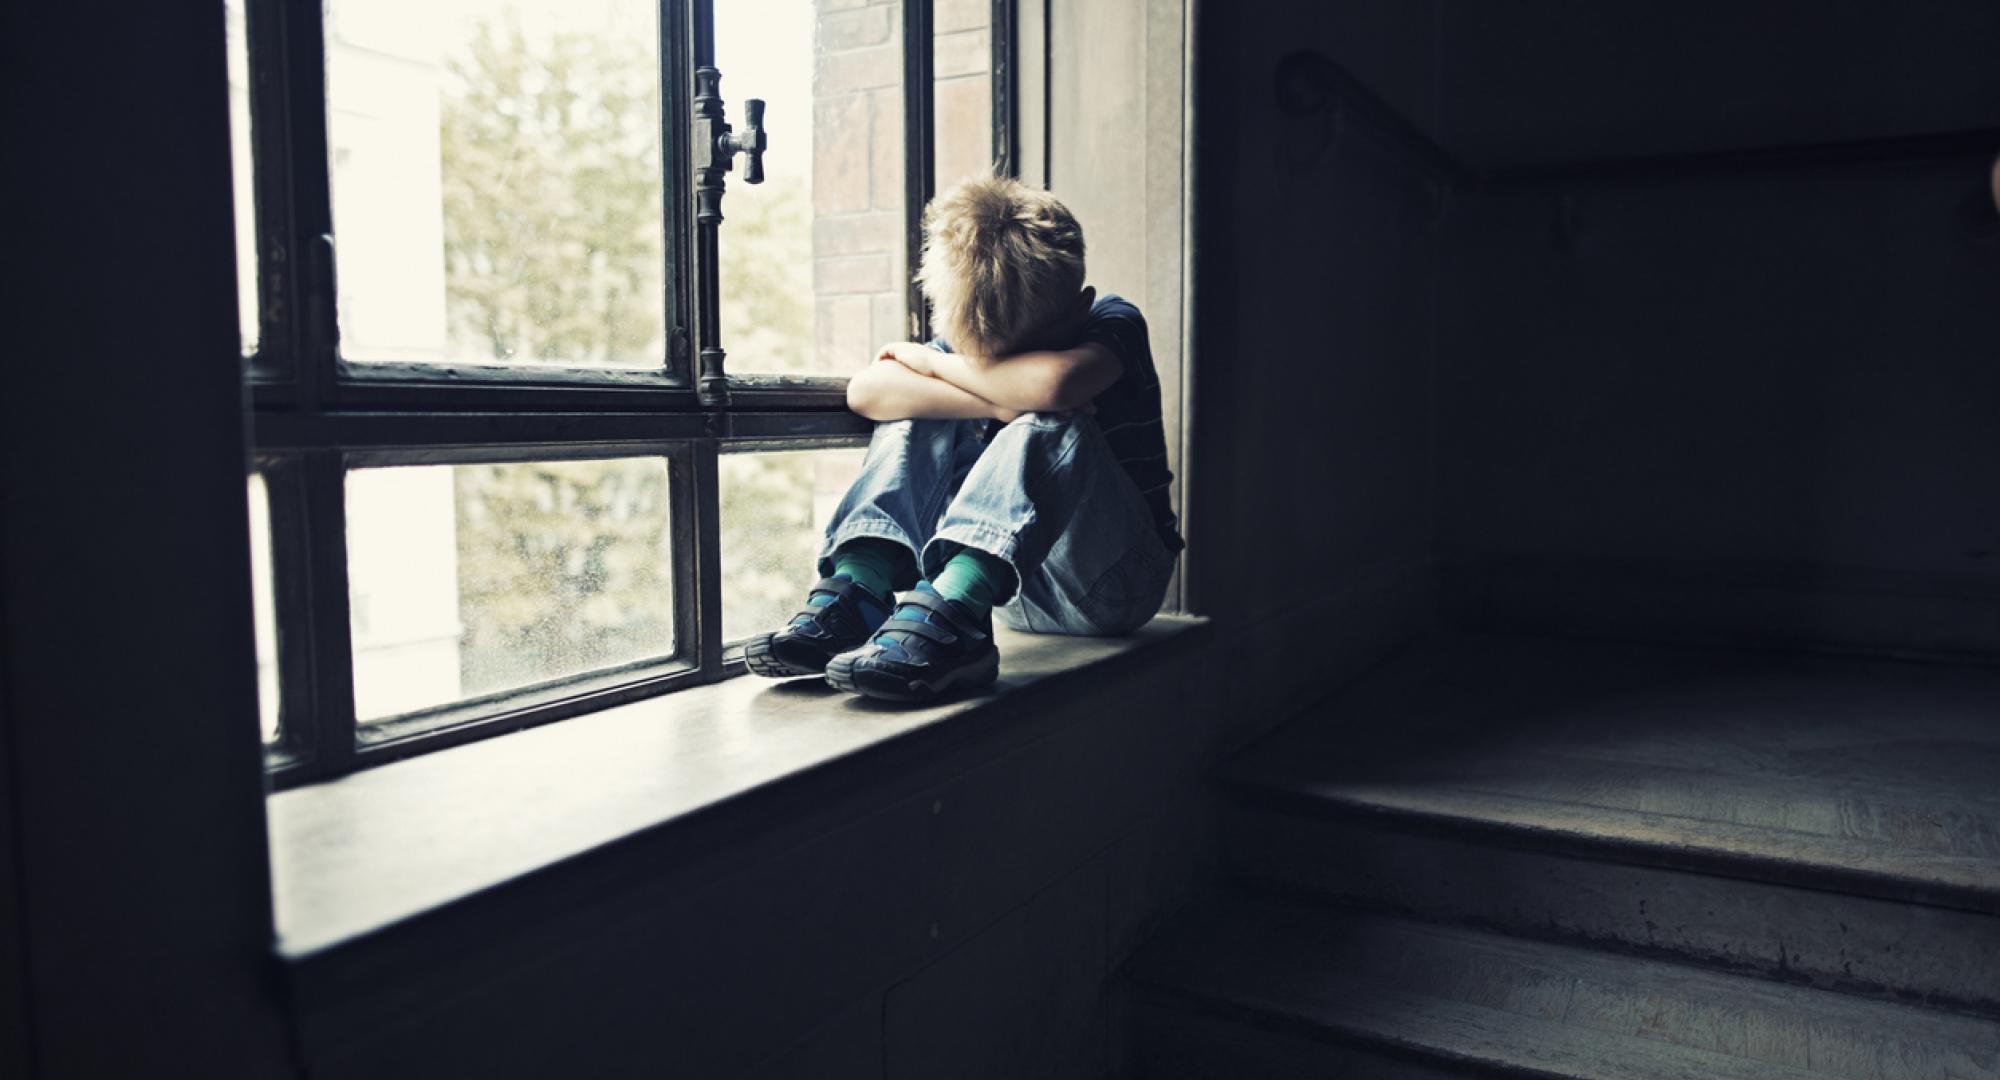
pixel 314 415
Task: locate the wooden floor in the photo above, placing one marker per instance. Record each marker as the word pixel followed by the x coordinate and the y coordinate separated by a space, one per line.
pixel 1574 859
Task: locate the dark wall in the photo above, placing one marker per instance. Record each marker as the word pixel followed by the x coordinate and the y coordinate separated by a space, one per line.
pixel 1529 83
pixel 1313 273
pixel 138 886
pixel 1780 391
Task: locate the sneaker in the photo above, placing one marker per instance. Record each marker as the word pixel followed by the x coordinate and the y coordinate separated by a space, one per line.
pixel 820 631
pixel 920 655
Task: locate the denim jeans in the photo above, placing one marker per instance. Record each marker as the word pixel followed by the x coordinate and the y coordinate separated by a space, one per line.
pixel 1044 494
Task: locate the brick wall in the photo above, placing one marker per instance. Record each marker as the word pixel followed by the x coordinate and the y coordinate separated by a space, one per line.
pixel 859 276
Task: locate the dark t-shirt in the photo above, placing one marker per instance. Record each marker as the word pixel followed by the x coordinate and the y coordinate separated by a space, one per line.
pixel 1128 412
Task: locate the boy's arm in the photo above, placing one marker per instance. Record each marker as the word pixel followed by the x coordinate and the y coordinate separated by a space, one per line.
pixel 891 391
pixel 1058 380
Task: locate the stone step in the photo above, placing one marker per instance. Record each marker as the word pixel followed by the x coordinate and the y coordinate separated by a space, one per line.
pixel 1247 987
pixel 1830 822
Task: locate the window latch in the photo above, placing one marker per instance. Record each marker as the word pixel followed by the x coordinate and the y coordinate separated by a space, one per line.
pixel 716 144
pixel 750 144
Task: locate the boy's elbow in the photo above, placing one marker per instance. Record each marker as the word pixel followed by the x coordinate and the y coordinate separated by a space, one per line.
pixel 862 398
pixel 1075 384
pixel 1060 395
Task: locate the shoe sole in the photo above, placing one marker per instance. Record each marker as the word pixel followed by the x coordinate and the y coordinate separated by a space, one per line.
pixel 757 656
pixel 840 673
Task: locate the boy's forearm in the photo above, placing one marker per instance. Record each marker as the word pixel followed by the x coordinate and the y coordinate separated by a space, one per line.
pixel 886 390
pixel 1039 381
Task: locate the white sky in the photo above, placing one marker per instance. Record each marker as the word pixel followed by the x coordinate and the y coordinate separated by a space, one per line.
pixel 764 50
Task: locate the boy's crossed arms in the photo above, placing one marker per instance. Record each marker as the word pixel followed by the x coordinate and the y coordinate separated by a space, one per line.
pixel 909 381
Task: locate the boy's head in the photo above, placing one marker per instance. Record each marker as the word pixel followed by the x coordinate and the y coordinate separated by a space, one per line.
pixel 1002 267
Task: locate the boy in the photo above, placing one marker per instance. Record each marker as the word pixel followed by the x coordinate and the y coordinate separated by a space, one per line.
pixel 1019 461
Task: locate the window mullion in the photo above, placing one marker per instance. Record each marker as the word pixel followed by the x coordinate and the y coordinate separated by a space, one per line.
pixel 330 684
pixel 706 536
pixel 686 495
pixel 284 486
pixel 294 198
pixel 1006 136
pixel 676 62
pixel 270 134
pixel 708 171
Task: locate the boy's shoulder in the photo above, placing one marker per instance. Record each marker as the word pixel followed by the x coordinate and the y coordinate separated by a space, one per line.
pixel 1113 306
pixel 1116 323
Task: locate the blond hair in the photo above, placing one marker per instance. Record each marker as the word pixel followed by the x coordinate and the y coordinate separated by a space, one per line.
pixel 1001 262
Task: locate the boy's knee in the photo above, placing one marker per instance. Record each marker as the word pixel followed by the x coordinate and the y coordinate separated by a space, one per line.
pixel 1055 435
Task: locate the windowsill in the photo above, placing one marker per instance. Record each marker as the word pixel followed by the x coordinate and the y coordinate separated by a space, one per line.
pixel 355 856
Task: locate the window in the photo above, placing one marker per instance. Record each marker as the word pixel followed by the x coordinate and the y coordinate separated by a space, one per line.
pixel 534 431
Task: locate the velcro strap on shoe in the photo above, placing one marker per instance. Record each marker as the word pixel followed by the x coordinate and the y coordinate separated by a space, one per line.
pixel 923 628
pixel 837 589
pixel 830 585
pixel 943 611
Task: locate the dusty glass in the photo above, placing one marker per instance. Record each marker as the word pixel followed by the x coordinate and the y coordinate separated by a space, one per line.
pixel 496 181
pixel 812 260
pixel 468 580
pixel 774 511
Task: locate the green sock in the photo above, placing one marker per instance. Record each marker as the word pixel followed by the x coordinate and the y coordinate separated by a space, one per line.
pixel 975 579
pixel 872 562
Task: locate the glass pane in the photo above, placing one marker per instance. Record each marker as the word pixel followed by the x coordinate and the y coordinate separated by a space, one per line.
pixel 246 203
pixel 812 259
pixel 264 607
pixel 962 74
pixel 497 181
pixel 774 511
pixel 474 579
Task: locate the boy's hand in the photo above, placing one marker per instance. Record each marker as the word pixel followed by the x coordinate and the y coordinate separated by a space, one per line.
pixel 918 358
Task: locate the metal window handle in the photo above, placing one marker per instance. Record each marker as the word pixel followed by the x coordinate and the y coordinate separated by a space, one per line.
pixel 750 143
pixel 716 145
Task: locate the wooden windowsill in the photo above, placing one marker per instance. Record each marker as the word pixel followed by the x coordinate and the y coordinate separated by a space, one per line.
pixel 355 856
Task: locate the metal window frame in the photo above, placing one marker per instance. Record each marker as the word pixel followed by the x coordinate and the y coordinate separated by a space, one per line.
pixel 315 415
pixel 919 155
pixel 1006 39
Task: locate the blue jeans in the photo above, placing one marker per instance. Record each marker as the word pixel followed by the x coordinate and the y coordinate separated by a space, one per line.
pixel 1044 495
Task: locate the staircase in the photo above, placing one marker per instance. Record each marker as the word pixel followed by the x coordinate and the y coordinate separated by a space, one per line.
pixel 1555 859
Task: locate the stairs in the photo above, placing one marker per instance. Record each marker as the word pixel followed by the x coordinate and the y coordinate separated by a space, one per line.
pixel 1558 859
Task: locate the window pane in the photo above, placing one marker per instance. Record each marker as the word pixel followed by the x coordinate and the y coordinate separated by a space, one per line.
pixel 774 510
pixel 497 181
pixel 962 74
pixel 263 607
pixel 475 579
pixel 239 142
pixel 812 259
